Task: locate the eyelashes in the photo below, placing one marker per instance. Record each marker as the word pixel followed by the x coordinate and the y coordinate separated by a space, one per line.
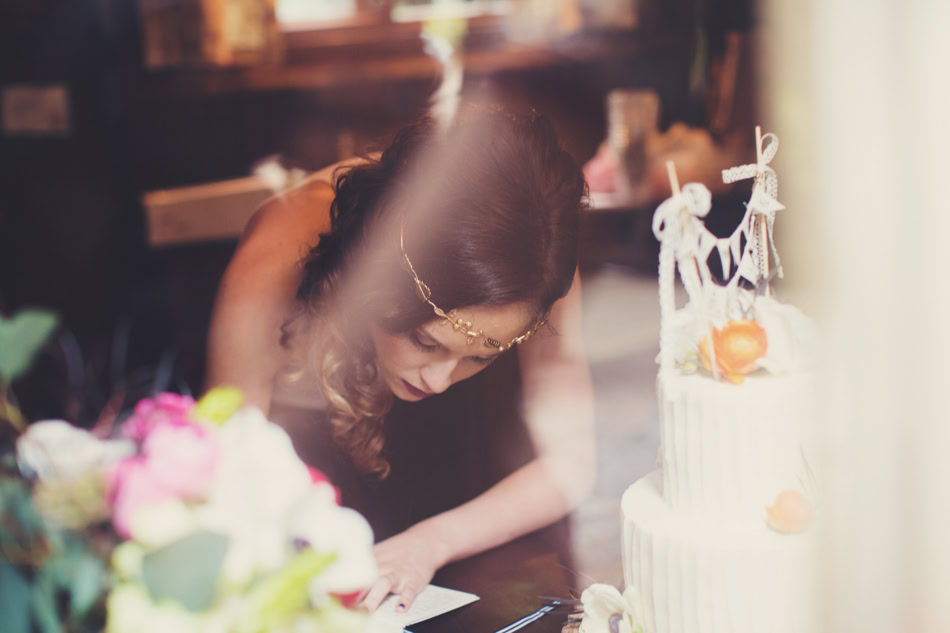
pixel 426 347
pixel 414 337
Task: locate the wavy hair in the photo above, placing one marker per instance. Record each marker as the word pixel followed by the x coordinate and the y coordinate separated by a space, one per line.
pixel 490 211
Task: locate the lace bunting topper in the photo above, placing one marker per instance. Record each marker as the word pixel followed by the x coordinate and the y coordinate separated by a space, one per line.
pixel 686 244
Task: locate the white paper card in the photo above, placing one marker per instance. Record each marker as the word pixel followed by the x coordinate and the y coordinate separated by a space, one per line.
pixel 433 601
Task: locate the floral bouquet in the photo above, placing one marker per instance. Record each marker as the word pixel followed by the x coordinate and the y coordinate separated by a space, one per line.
pixel 190 517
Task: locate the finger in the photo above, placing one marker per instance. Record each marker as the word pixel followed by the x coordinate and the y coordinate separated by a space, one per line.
pixel 406 597
pixel 378 592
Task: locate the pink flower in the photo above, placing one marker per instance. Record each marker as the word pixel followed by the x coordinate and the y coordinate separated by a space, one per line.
pixel 601 171
pixel 351 599
pixel 319 479
pixel 178 461
pixel 165 408
pixel 182 457
pixel 132 486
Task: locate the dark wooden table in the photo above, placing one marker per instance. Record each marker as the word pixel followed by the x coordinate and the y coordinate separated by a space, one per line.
pixel 510 580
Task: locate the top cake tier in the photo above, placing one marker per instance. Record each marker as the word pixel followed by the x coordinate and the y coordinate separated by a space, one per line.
pixel 736 385
pixel 728 450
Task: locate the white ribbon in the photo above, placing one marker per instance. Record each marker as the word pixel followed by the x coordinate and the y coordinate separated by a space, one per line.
pixel 676 213
pixel 770 178
pixel 763 202
pixel 678 226
pixel 677 221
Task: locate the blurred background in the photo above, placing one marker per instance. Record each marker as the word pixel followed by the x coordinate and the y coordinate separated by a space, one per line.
pixel 137 136
pixel 106 102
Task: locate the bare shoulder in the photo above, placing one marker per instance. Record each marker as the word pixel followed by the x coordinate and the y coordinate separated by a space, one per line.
pixel 288 224
pixel 295 218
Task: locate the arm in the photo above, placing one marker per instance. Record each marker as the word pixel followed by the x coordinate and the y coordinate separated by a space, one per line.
pixel 559 413
pixel 258 288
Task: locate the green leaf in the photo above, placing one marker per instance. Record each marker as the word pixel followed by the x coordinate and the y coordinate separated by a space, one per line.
pixel 78 573
pixel 14 600
pixel 218 405
pixel 21 337
pixel 44 606
pixel 186 570
pixel 281 595
pixel 16 503
pixel 8 462
pixel 88 583
pixel 7 537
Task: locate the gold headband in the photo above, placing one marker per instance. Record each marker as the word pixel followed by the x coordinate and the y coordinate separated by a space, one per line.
pixel 458 324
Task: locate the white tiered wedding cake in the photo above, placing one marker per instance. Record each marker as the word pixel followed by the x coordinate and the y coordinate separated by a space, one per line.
pixel 717 540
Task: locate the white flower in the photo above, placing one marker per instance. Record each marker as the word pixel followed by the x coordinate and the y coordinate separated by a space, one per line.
pixel 161 523
pixel 328 528
pixel 127 560
pixel 258 481
pixel 687 332
pixel 259 473
pixel 253 548
pixel 56 450
pixel 607 611
pixel 225 616
pixel 128 608
pixel 169 616
pixel 338 620
pixel 792 337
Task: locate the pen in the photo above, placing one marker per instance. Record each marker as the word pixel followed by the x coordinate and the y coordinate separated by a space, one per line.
pixel 528 619
pixel 556 600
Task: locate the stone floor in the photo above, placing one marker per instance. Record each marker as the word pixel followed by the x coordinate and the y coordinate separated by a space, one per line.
pixel 621 324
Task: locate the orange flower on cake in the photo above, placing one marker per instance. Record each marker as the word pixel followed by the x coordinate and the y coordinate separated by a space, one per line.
pixel 738 347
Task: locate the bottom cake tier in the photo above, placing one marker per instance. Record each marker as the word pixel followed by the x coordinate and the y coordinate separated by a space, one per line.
pixel 714 577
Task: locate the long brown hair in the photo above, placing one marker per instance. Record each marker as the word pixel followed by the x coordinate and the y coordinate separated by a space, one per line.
pixel 490 212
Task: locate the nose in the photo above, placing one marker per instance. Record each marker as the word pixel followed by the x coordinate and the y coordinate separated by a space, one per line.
pixel 438 376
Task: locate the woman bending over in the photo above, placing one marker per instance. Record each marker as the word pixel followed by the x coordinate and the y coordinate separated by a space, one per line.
pixel 407 274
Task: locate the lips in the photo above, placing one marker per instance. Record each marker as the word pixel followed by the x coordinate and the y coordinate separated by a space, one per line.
pixel 418 393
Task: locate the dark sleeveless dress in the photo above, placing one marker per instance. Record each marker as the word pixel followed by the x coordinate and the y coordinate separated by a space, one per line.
pixel 443 450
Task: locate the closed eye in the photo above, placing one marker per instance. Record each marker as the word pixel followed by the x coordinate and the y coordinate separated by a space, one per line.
pixel 418 342
pixel 484 360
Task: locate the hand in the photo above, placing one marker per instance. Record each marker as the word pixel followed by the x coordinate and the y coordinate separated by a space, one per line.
pixel 407 562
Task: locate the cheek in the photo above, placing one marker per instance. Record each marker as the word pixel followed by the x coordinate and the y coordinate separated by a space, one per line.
pixel 395 352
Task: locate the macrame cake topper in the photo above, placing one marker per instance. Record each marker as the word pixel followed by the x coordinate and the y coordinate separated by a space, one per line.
pixel 677 224
pixel 760 210
pixel 686 244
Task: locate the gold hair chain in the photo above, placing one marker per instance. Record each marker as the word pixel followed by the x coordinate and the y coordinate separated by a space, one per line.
pixel 451 317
